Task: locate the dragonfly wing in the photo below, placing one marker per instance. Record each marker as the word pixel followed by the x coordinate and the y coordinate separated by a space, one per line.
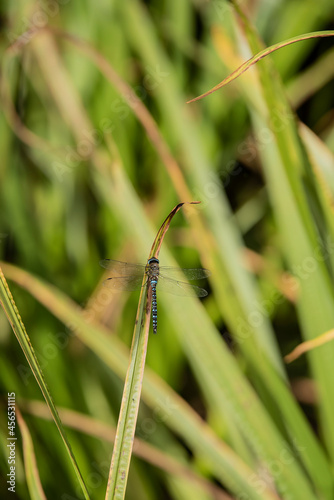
pixel 123 268
pixel 180 288
pixel 179 274
pixel 129 283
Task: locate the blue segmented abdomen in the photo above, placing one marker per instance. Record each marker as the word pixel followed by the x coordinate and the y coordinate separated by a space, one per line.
pixel 154 305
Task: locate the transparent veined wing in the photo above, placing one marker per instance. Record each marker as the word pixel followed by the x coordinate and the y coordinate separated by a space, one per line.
pixel 180 274
pixel 123 268
pixel 128 283
pixel 179 288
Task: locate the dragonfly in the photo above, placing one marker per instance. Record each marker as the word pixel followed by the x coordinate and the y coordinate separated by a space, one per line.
pixel 168 279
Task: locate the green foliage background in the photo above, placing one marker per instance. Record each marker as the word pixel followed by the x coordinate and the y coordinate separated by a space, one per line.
pixel 87 173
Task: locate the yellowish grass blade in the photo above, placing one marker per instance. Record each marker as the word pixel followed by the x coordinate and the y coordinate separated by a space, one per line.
pixel 308 345
pixel 33 480
pixel 263 53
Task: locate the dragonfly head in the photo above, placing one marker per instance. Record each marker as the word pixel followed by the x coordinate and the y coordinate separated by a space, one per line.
pixel 153 260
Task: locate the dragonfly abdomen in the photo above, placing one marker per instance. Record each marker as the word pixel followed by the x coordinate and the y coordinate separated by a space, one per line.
pixel 154 282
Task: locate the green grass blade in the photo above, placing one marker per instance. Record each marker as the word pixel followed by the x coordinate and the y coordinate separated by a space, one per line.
pixel 120 462
pixel 14 318
pixel 122 452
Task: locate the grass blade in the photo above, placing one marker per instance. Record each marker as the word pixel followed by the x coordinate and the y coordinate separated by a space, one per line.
pixel 126 426
pixel 120 462
pixel 260 55
pixel 14 318
pixel 308 345
pixel 33 480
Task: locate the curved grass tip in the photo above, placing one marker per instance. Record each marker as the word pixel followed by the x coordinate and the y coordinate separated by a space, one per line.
pixel 164 228
pixel 246 65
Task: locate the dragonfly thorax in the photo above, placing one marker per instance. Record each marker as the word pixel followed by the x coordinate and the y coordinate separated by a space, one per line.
pixel 152 268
